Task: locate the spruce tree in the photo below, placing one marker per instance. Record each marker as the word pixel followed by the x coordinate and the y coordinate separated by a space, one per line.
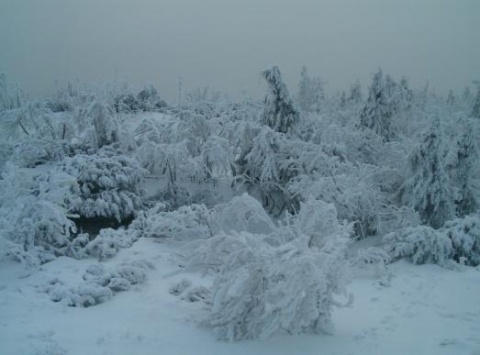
pixel 476 105
pixel 355 92
pixel 378 111
pixel 311 93
pixel 429 190
pixel 461 162
pixel 280 112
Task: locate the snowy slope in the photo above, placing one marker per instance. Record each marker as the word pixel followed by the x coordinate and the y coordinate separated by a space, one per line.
pixel 425 310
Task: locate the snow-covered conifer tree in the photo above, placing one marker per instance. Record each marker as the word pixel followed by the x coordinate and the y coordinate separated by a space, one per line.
pixel 476 105
pixel 311 93
pixel 355 92
pixel 280 112
pixel 462 161
pixel 450 98
pixel 108 185
pixel 429 190
pixel 381 106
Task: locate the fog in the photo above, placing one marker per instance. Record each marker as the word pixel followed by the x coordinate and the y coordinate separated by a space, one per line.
pixel 224 44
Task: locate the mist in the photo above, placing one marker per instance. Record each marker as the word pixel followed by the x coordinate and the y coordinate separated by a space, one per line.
pixel 224 44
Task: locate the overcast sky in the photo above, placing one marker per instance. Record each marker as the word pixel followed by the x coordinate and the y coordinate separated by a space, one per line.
pixel 225 43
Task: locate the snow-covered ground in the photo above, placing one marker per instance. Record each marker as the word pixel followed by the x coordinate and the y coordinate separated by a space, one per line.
pixel 424 310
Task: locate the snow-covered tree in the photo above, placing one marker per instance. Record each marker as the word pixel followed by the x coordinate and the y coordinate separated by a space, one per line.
pixel 467 94
pixel 461 165
pixel 355 92
pixel 386 98
pixel 429 190
pixel 451 98
pixel 476 106
pixel 10 96
pixel 109 185
pixel 103 123
pixel 310 93
pixel 271 162
pixel 377 114
pixel 280 112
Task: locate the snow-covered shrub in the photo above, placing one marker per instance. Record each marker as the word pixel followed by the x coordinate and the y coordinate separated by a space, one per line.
pixel 262 288
pixel 372 261
pixel 126 103
pixel 422 244
pixel 217 157
pixel 146 100
pixel 34 218
pixel 108 242
pixel 318 220
pixel 465 236
pixel 97 125
pixel 98 285
pixel 207 102
pixel 63 100
pixel 34 151
pixel 242 213
pixel 125 275
pixel 211 254
pixel 392 218
pixel 186 223
pixel 180 287
pixel 43 225
pixel 371 255
pixel 121 277
pixel 11 97
pixel 354 195
pixel 84 295
pixel 34 135
pixel 108 185
pixel 197 294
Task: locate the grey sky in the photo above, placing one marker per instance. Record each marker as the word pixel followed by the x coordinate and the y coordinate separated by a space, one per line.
pixel 226 43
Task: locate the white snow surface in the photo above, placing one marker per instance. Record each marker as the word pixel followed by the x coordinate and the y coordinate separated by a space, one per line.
pixel 425 309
